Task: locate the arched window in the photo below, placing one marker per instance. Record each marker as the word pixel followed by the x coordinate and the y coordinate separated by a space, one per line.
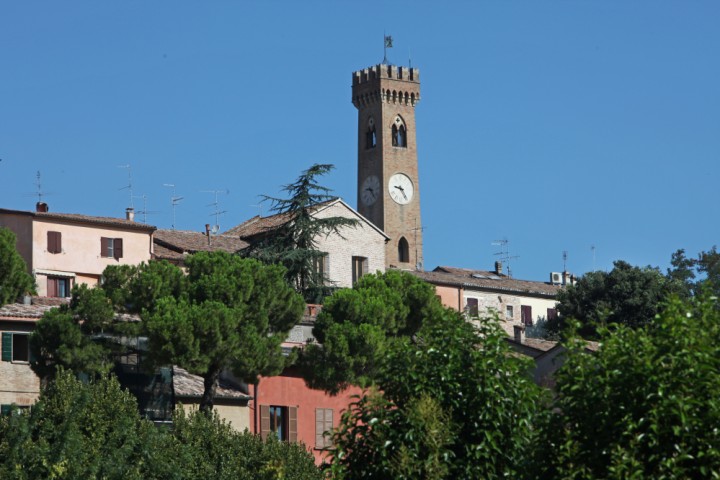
pixel 370 135
pixel 403 251
pixel 399 133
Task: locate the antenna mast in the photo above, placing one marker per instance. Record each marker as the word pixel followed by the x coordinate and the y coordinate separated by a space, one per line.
pixel 418 262
pixel 129 185
pixel 216 204
pixel 39 187
pixel 592 247
pixel 174 200
pixel 564 261
pixel 504 254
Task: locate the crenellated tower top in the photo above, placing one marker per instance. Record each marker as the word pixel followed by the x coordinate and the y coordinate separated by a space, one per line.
pixel 386 84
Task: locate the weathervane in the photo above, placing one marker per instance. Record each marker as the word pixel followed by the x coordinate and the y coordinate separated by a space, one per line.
pixel 387 43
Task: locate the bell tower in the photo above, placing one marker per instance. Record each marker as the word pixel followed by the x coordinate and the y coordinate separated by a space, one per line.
pixel 388 187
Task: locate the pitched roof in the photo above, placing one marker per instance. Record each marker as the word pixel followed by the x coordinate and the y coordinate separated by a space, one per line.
pixel 187 385
pixel 23 312
pixel 172 244
pixel 485 280
pixel 83 219
pixel 258 225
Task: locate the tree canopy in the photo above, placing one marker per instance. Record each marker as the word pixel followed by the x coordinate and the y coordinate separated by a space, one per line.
pixel 626 295
pixel 93 430
pixel 644 406
pixel 451 400
pixel 293 243
pixel 357 326
pixel 15 281
pixel 227 313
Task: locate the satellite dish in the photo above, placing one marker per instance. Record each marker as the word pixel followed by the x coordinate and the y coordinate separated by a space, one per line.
pixel 215 229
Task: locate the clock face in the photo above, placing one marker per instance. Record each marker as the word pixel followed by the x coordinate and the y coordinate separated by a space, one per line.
pixel 370 190
pixel 401 188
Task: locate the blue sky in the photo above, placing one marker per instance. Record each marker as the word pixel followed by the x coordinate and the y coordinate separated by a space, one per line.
pixel 559 125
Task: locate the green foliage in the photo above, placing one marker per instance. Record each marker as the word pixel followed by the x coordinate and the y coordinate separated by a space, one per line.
pixel 294 243
pixel 455 404
pixel 644 406
pixel 626 295
pixel 14 277
pixel 695 275
pixel 234 314
pixel 212 449
pixel 357 326
pixel 77 431
pixel 59 341
pixel 94 431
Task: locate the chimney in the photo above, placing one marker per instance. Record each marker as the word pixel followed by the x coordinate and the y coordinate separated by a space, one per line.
pixel 130 214
pixel 207 232
pixel 498 267
pixel 41 207
pixel 519 331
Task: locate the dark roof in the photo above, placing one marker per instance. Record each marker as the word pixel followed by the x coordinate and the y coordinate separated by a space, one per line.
pixel 83 219
pixel 485 280
pixel 172 244
pixel 534 343
pixel 187 385
pixel 258 225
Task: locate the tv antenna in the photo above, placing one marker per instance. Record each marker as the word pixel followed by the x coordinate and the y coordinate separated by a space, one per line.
pixel 38 184
pixel 564 260
pixel 174 201
pixel 144 212
pixel 129 185
pixel 258 206
pixel 218 212
pixel 592 248
pixel 504 254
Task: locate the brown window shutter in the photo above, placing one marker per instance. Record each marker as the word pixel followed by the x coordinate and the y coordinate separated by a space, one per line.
pixel 104 247
pixel 292 424
pixel 264 421
pixel 54 242
pixel 118 248
pixel 52 287
pixel 551 313
pixel 526 314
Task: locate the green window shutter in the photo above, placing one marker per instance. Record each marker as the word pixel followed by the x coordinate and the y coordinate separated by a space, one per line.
pixel 7 347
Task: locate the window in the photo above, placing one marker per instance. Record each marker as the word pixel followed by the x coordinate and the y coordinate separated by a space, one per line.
pixel 526 314
pixel 321 269
pixel 552 313
pixel 58 287
pixel 370 136
pixel 509 312
pixel 399 133
pixel 54 242
pixel 471 307
pixel 403 251
pixel 111 248
pixel 15 347
pixel 279 421
pixel 359 268
pixel 323 427
pixel 19 409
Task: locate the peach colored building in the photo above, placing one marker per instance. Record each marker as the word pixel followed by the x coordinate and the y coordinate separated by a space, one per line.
pixel 480 292
pixel 64 249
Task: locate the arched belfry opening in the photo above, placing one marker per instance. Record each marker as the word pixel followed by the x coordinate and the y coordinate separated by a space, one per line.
pixel 399 133
pixel 370 135
pixel 403 251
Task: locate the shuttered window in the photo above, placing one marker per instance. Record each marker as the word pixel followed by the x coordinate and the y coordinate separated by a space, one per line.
pixel 58 287
pixel 279 421
pixel 359 268
pixel 526 314
pixel 111 248
pixel 54 242
pixel 472 307
pixel 552 313
pixel 15 347
pixel 323 427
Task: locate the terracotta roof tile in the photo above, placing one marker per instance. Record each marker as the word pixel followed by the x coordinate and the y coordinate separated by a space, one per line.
pixel 173 243
pixel 258 225
pixel 20 310
pixel 84 219
pixel 188 385
pixel 482 279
